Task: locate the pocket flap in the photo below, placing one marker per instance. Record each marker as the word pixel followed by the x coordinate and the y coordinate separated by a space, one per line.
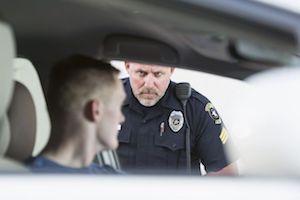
pixel 171 140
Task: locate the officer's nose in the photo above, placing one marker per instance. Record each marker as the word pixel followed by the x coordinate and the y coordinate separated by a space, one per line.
pixel 149 81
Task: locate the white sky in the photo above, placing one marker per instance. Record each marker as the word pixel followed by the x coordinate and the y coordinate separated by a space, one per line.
pixel 292 5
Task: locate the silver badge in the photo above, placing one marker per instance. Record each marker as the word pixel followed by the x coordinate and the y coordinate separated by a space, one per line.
pixel 176 120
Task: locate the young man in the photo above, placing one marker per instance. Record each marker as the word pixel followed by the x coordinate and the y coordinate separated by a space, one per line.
pixel 84 100
pixel 153 137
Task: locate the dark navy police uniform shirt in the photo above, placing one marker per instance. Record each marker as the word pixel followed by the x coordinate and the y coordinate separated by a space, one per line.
pixel 151 140
pixel 40 164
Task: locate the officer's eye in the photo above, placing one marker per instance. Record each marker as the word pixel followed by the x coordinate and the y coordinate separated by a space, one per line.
pixel 158 74
pixel 141 73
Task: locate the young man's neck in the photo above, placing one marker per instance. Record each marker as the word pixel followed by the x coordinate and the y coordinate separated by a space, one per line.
pixel 76 153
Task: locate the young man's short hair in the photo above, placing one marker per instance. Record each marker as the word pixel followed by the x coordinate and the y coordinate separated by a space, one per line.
pixel 74 82
pixel 78 79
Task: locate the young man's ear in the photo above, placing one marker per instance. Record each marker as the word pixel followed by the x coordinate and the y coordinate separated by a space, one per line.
pixel 94 110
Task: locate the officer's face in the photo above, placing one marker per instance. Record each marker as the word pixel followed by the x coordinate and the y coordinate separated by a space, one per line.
pixel 148 82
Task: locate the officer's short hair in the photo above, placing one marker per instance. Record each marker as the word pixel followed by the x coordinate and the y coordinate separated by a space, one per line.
pixel 76 80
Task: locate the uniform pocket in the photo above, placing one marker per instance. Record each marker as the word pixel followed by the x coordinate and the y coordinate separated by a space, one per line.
pixel 170 140
pixel 169 148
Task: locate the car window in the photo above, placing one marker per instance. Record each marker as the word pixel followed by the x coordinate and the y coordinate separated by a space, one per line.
pixel 242 55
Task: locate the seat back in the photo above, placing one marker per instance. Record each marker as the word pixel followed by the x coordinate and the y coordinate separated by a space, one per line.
pixel 7 53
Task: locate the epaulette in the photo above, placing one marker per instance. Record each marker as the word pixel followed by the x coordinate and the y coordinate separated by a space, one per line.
pixel 198 96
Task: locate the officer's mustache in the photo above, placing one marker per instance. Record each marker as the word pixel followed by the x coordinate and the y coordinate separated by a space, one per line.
pixel 148 91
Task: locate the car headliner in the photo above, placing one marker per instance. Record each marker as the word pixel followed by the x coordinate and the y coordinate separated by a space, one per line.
pixel 198 35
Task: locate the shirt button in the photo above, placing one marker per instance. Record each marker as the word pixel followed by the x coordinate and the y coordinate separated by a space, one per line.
pixel 144 121
pixel 174 145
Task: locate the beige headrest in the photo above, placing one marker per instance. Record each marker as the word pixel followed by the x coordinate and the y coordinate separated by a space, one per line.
pixel 7 53
pixel 25 74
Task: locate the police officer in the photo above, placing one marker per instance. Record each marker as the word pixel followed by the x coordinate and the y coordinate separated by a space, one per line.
pixel 152 139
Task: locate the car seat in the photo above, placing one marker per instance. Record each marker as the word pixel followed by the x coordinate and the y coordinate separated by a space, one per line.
pixel 7 53
pixel 24 120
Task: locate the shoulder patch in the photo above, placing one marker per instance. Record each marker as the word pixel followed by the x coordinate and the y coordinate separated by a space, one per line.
pixel 213 113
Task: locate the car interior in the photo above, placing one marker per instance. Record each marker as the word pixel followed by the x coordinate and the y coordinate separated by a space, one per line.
pixel 229 38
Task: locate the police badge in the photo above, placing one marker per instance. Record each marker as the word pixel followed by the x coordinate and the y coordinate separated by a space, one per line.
pixel 176 120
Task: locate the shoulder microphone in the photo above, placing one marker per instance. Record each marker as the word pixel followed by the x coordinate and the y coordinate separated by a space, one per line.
pixel 183 92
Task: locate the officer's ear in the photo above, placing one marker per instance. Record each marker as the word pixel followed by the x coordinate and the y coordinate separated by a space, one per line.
pixel 172 70
pixel 127 65
pixel 94 110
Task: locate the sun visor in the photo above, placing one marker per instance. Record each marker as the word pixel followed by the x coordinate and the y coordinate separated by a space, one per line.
pixel 126 47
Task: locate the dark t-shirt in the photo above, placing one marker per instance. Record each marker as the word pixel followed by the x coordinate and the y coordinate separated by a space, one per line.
pixel 40 164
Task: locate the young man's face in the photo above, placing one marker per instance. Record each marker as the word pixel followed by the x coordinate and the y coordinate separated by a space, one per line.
pixel 112 118
pixel 148 82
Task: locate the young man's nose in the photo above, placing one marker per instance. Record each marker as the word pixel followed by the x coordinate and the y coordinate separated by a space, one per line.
pixel 122 118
